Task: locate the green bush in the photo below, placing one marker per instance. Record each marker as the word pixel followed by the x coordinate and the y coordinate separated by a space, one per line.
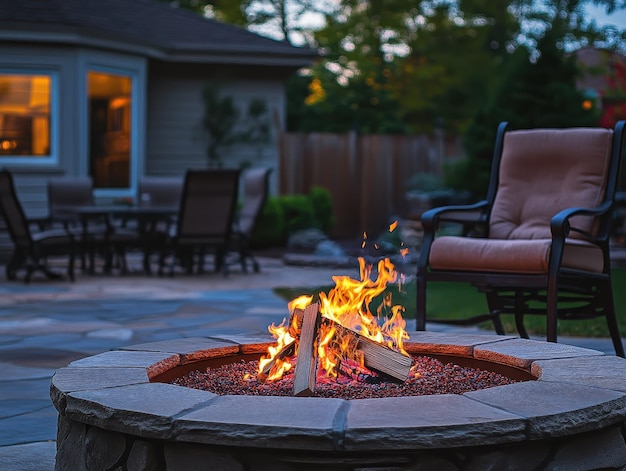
pixel 283 215
pixel 322 201
pixel 270 228
pixel 298 212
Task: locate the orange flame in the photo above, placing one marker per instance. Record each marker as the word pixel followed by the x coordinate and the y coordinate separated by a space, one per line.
pixel 347 304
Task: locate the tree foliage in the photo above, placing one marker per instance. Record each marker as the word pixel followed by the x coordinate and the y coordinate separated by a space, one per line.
pixel 541 94
pixel 406 66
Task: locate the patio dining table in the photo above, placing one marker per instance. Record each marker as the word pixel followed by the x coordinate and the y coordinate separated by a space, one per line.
pixel 117 217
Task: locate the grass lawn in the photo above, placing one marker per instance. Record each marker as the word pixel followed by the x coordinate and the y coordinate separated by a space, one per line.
pixel 456 300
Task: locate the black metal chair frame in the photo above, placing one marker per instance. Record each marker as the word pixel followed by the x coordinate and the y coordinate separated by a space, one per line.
pixel 561 293
pixel 31 249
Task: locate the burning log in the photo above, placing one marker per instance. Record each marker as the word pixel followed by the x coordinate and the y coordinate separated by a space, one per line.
pixel 339 348
pixel 287 351
pixel 378 357
pixel 295 325
pixel 295 321
pixel 306 366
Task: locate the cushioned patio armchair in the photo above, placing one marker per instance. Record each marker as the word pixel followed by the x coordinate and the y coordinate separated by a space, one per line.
pixel 539 243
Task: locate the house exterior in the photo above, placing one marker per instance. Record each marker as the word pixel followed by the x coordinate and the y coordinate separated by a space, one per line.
pixel 113 89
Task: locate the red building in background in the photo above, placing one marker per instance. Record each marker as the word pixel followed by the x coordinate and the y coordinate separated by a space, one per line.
pixel 604 81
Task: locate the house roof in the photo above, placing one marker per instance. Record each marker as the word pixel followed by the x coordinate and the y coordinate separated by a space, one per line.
pixel 148 27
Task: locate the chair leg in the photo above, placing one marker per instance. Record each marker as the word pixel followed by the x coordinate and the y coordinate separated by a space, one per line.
pixel 605 293
pixel 494 303
pixel 519 315
pixel 13 266
pixel 551 310
pixel 70 264
pixel 30 269
pixel 497 322
pixel 242 261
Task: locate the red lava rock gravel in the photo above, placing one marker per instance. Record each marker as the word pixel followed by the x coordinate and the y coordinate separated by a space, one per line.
pixel 428 376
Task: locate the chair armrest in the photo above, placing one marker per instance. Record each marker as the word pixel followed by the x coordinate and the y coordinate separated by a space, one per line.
pixel 560 225
pixel 462 214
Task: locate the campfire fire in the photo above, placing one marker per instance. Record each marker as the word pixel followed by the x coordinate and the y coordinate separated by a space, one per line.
pixel 333 345
pixel 338 335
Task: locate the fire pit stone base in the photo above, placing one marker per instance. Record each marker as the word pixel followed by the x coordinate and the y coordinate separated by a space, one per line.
pixel 113 415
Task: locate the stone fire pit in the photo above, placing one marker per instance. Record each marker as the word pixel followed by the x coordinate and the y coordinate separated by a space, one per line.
pixel 116 411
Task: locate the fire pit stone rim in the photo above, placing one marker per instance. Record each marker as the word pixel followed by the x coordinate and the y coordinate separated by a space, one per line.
pixel 67 381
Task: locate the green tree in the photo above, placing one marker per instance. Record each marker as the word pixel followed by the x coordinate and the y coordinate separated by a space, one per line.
pixel 280 19
pixel 539 93
pixel 403 66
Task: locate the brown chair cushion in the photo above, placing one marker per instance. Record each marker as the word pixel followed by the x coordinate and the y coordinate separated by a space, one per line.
pixel 544 171
pixel 510 256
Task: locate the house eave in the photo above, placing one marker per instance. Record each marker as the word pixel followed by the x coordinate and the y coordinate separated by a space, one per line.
pixel 224 54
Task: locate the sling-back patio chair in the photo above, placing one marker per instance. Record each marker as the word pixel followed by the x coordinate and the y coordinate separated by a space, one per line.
pixel 65 195
pixel 255 192
pixel 539 243
pixel 160 191
pixel 204 223
pixel 31 248
pixel 100 235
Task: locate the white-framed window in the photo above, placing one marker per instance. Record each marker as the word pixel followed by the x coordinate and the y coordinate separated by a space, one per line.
pixel 28 117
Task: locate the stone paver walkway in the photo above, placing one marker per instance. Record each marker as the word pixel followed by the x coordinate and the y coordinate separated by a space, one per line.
pixel 46 325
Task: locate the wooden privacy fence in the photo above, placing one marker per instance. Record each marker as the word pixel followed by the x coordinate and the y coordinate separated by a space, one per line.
pixel 367 175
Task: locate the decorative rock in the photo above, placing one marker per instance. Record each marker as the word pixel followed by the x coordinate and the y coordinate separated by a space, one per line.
pixel 306 239
pixel 444 421
pixel 155 362
pixel 190 348
pixel 144 456
pixel 328 248
pixel 522 352
pixel 103 449
pixel 521 457
pixel 607 372
pixel 146 409
pixel 556 409
pixel 188 457
pixel 429 462
pixel 609 452
pixel 71 449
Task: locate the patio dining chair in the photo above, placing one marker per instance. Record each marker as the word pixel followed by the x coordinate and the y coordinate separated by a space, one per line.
pixel 539 243
pixel 32 249
pixel 65 195
pixel 160 191
pixel 101 234
pixel 204 222
pixel 255 192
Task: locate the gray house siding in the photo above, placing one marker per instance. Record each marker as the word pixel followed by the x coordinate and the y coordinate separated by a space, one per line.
pixel 176 139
